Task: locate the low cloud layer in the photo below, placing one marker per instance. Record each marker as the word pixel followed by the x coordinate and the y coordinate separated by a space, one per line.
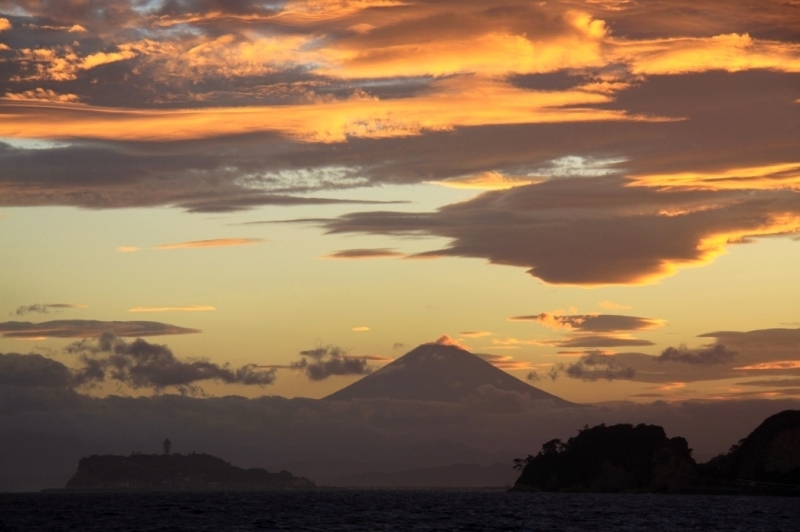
pixel 88 329
pixel 327 361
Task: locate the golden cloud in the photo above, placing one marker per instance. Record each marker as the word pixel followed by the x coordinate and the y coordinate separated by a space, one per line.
pixel 767 177
pixel 451 103
pixel 214 243
pixel 487 181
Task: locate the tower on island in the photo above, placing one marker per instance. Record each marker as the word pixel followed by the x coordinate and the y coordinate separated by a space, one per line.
pixel 167 446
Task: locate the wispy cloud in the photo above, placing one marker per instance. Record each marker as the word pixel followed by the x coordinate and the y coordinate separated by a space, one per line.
pixel 360 329
pixel 475 334
pixel 192 308
pixel 88 329
pixel 357 254
pixel 45 308
pixel 127 249
pixel 215 243
pixel 610 305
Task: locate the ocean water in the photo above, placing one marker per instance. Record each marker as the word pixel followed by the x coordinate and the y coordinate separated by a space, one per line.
pixel 378 510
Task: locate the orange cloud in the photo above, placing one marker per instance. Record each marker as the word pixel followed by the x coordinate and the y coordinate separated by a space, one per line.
pixel 127 249
pixel 487 181
pixel 43 95
pixel 732 52
pixel 361 329
pixel 215 243
pixel 5 24
pixel 767 177
pixel 450 103
pixel 193 308
pixel 475 334
pixel 765 366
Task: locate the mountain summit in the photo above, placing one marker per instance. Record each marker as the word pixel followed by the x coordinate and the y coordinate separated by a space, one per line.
pixel 437 372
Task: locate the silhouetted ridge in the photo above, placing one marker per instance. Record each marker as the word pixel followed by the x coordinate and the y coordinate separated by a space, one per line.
pixel 174 472
pixel 771 453
pixel 435 372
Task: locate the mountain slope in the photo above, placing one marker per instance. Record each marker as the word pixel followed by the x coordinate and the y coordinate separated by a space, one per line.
pixel 436 372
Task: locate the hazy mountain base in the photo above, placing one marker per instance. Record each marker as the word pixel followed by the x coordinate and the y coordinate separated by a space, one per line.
pixel 43 433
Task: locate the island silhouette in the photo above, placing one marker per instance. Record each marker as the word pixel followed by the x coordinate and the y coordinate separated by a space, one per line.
pixel 175 472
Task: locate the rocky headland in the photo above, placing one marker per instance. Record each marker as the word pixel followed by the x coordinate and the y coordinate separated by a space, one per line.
pixel 641 458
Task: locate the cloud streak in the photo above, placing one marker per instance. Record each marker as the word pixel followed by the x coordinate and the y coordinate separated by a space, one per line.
pixel 45 308
pixel 88 329
pixel 214 243
pixel 360 254
pixel 192 308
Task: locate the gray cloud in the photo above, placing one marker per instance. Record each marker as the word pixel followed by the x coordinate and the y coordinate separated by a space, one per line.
pixel 585 231
pixel 716 354
pixel 327 361
pixel 595 366
pixel 599 340
pixel 596 323
pixel 140 364
pixel 378 253
pixel 43 308
pixel 88 329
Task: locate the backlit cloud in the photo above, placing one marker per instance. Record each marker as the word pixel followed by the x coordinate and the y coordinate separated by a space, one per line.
pixel 88 329
pixel 545 227
pixel 214 243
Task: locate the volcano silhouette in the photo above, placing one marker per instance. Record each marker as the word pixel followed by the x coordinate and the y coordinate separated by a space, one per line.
pixel 436 372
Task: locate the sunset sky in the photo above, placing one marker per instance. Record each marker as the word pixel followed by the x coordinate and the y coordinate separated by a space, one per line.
pixel 601 197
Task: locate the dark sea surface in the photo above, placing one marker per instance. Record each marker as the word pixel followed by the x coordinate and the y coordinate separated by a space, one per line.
pixel 334 510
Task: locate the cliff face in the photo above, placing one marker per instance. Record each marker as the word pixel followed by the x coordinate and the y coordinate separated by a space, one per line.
pixel 611 459
pixel 174 472
pixel 771 453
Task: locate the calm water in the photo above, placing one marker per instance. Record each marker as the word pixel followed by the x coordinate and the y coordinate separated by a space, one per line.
pixel 394 510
